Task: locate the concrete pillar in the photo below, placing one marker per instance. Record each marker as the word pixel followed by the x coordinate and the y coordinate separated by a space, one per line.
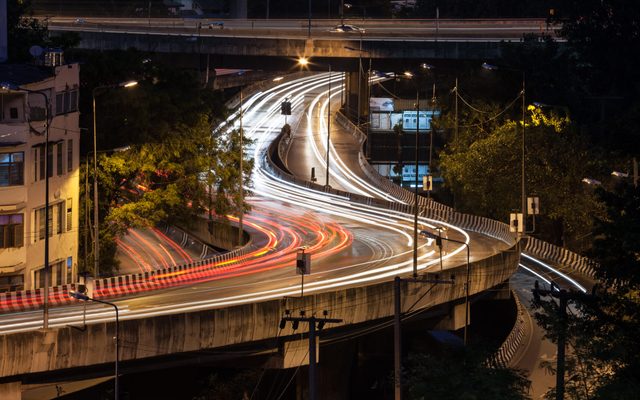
pixel 352 95
pixel 455 319
pixel 11 391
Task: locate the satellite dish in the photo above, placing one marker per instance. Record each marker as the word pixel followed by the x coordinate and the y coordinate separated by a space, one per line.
pixel 36 51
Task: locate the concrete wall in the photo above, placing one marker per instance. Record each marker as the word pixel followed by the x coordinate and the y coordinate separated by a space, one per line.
pixel 58 349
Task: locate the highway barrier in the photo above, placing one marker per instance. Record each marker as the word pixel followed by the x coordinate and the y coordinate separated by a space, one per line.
pixel 505 353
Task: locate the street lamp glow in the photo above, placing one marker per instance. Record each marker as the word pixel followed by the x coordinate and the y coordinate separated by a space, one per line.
pixel 426 66
pixel 129 84
pixel 303 61
pixel 408 74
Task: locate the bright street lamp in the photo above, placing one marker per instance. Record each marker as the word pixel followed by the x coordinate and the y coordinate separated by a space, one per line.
pixel 96 243
pixel 304 62
pixel 84 297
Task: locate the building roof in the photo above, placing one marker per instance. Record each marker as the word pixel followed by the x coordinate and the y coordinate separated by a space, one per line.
pixel 22 74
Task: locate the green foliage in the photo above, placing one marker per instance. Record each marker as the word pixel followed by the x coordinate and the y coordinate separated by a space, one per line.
pixel 173 157
pixel 483 169
pixel 604 360
pixel 462 374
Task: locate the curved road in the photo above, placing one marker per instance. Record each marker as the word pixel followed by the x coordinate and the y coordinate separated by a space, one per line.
pixel 351 244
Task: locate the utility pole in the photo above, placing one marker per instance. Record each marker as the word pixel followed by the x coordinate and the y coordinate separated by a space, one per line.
pixel 313 331
pixel 563 296
pixel 397 327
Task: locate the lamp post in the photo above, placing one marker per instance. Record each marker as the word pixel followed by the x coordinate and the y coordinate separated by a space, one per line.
pixel 304 62
pixel 416 207
pixel 46 269
pixel 368 89
pixel 241 190
pixel 96 243
pixel 84 297
pixel 87 220
pixel 523 195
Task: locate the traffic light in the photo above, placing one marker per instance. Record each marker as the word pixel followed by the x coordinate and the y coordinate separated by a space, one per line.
pixel 285 108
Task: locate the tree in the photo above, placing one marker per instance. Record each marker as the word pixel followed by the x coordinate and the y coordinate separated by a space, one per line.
pixel 173 155
pixel 482 167
pixel 24 31
pixel 462 374
pixel 604 360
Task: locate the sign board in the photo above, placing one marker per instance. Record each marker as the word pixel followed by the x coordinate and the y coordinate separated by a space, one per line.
pixel 381 104
pixel 303 263
pixel 533 205
pixel 515 222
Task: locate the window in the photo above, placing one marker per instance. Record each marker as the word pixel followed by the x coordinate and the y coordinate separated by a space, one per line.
pixel 59 159
pixel 69 155
pixel 69 269
pixel 66 102
pixel 11 169
pixel 60 217
pixel 40 214
pixel 13 113
pixel 56 273
pixel 38 278
pixel 69 214
pixel 41 161
pixel 11 230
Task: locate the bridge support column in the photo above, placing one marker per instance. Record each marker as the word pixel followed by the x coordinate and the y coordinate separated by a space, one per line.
pixel 11 391
pixel 355 92
pixel 455 319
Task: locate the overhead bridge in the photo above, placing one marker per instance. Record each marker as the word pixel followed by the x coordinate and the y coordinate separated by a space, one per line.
pixel 389 39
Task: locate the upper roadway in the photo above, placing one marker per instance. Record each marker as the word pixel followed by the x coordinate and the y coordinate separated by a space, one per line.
pixel 386 38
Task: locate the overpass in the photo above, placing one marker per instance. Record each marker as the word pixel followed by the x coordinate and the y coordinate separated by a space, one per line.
pixel 281 40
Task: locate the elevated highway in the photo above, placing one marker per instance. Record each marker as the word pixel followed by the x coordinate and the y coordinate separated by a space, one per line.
pixel 381 39
pixel 358 242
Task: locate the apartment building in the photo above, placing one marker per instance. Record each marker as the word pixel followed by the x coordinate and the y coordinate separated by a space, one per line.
pixel 22 174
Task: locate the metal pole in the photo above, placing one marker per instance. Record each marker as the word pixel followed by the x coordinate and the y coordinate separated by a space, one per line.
pixel 328 126
pixel 96 220
pixel 117 345
pixel 47 271
pixel 456 106
pixel 359 81
pixel 397 341
pixel 415 192
pixel 241 205
pixel 466 297
pixel 309 25
pixel 86 213
pixel 523 194
pixel 562 310
pixel 312 359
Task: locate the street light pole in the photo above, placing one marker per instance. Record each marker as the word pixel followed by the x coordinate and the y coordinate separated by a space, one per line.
pixel 241 205
pixel 416 207
pixel 84 297
pixel 328 126
pixel 96 223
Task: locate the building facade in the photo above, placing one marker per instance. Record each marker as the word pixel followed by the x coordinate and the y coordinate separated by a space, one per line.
pixel 22 174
